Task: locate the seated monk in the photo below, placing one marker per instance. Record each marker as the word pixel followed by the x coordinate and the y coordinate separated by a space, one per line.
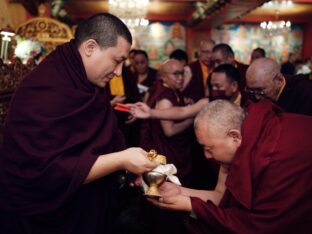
pixel 268 156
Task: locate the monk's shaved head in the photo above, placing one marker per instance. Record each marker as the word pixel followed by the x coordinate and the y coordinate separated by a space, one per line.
pixel 262 69
pixel 219 116
pixel 172 74
pixel 168 64
pixel 264 80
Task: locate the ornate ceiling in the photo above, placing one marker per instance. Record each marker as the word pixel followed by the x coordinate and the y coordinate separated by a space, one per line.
pixel 198 14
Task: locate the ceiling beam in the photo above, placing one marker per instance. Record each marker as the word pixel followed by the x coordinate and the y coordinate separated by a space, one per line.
pixel 224 11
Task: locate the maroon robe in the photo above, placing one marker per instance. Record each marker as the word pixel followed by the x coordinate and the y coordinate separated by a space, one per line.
pixel 129 130
pixel 151 77
pixel 242 68
pixel 196 88
pixel 269 185
pixel 177 148
pixel 202 169
pixel 297 95
pixel 57 126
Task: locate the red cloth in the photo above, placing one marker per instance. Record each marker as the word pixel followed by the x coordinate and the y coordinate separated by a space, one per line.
pixel 269 184
pixel 58 124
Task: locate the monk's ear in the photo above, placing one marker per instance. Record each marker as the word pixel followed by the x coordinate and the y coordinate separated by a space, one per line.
pixel 236 136
pixel 88 47
pixel 279 79
pixel 230 58
pixel 234 85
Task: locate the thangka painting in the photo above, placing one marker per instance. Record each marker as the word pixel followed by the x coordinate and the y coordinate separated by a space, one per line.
pixel 243 38
pixel 159 40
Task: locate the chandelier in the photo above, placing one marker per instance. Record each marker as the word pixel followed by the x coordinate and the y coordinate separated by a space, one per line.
pixel 277 27
pixel 131 12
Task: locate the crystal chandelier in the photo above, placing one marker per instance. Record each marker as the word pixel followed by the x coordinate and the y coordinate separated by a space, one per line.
pixel 131 12
pixel 277 27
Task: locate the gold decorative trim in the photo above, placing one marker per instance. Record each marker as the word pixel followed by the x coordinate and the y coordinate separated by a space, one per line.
pixel 49 31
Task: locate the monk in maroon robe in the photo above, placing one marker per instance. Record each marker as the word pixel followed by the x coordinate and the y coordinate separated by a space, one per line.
pixel 170 138
pixel 201 68
pixel 224 54
pixel 144 75
pixel 57 166
pixel 292 93
pixel 268 185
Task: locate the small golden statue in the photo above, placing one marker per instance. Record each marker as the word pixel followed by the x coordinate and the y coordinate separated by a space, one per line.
pixel 152 178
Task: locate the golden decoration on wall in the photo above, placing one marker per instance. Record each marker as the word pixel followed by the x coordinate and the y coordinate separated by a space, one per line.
pixel 49 31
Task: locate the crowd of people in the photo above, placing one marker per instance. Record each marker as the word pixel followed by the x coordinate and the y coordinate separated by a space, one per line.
pixel 239 136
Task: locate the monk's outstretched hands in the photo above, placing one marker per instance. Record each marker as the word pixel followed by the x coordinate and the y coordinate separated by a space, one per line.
pixel 172 198
pixel 140 110
pixel 136 161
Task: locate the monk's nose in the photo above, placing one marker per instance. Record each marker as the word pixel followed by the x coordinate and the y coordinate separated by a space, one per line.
pixel 258 97
pixel 208 155
pixel 118 69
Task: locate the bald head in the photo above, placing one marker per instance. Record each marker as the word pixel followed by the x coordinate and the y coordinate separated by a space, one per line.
pixel 264 79
pixel 171 72
pixel 219 116
pixel 262 69
pixel 167 65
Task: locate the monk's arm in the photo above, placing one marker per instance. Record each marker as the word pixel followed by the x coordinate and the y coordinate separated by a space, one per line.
pixel 143 111
pixel 179 113
pixel 172 128
pixel 132 159
pixel 215 195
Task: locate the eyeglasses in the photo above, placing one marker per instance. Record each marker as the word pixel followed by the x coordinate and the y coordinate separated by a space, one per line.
pixel 259 91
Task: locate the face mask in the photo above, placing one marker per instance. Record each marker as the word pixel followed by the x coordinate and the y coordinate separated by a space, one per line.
pixel 218 94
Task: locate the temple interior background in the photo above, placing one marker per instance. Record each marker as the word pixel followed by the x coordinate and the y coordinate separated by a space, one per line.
pixel 30 29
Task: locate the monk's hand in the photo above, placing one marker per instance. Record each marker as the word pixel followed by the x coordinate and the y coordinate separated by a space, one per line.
pixel 177 202
pixel 136 161
pixel 169 189
pixel 140 110
pixel 117 99
pixel 131 119
pixel 202 102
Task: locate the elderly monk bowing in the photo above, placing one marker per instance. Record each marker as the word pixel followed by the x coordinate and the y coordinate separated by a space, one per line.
pixel 293 94
pixel 61 147
pixel 268 156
